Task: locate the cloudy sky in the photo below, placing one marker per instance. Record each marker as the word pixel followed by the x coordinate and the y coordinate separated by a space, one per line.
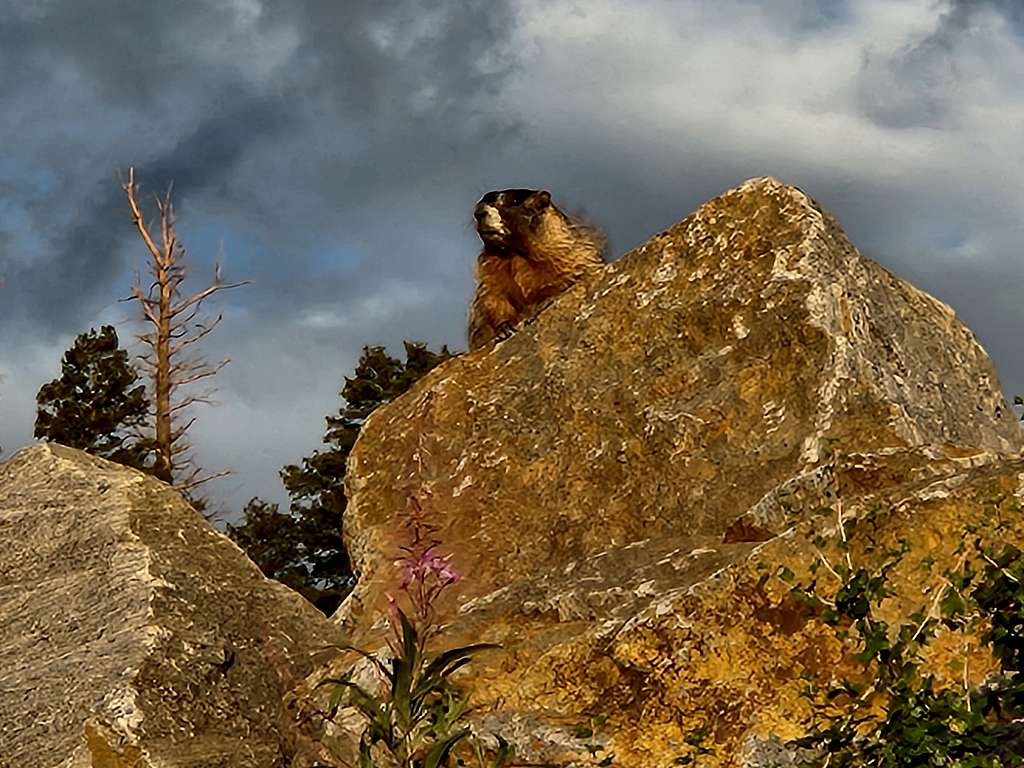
pixel 335 149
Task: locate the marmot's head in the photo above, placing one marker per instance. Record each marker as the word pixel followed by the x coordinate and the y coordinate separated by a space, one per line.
pixel 506 219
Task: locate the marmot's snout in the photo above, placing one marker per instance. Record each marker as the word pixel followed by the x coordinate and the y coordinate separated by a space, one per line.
pixel 489 224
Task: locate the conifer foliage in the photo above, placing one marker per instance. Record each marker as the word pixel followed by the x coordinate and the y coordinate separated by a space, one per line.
pixel 303 548
pixel 98 403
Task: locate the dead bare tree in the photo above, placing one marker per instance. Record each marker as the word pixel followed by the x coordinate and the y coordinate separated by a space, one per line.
pixel 175 327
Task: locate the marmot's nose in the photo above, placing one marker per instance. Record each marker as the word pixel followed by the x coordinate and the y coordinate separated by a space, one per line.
pixel 480 213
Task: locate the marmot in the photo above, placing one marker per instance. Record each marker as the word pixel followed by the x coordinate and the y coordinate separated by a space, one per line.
pixel 532 252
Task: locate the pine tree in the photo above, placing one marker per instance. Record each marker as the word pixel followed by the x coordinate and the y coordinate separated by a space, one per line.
pixel 98 404
pixel 271 539
pixel 311 546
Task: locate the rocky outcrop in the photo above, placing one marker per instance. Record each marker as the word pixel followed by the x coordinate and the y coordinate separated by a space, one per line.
pixel 629 485
pixel 131 632
pixel 614 479
pixel 708 367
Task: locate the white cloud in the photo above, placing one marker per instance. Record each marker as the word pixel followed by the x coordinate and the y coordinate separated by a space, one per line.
pixel 732 80
pixel 24 369
pixel 371 310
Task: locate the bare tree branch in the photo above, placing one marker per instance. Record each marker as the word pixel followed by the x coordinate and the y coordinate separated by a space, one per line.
pixel 130 189
pixel 180 431
pixel 183 322
pixel 191 400
pixel 196 480
pixel 212 371
pixel 174 328
pixel 178 347
pixel 181 307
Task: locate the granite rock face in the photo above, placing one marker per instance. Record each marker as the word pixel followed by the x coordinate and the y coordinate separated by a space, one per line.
pixel 702 370
pixel 728 656
pixel 608 478
pixel 131 632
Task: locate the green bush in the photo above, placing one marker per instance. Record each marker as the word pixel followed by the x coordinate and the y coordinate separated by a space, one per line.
pixel 896 713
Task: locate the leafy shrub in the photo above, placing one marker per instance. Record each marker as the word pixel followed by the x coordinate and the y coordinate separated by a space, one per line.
pixel 897 713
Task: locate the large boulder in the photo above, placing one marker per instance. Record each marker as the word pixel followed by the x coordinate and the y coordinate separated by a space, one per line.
pixel 134 634
pixel 710 365
pixel 606 478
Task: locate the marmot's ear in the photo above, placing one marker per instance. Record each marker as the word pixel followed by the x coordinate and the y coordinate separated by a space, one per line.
pixel 540 200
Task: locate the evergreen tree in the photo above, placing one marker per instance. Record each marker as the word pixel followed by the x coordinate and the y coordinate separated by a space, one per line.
pixel 304 548
pixel 272 540
pixel 98 403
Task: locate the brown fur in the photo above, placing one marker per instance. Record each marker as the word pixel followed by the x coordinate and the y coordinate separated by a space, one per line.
pixel 540 253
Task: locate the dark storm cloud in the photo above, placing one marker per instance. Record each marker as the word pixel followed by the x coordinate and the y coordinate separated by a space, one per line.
pixel 84 256
pixel 379 101
pixel 403 101
pixel 373 56
pixel 919 84
pixel 131 55
pixel 204 159
pixel 914 86
pixel 337 148
pixel 962 12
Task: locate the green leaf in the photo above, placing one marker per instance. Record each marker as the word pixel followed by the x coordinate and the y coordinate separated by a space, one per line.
pixel 441 662
pixel 368 705
pixel 410 640
pixel 502 754
pixel 405 667
pixel 365 756
pixel 447 712
pixel 335 700
pixel 438 755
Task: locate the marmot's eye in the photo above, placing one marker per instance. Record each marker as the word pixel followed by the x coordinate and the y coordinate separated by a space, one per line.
pixel 540 200
pixel 516 196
